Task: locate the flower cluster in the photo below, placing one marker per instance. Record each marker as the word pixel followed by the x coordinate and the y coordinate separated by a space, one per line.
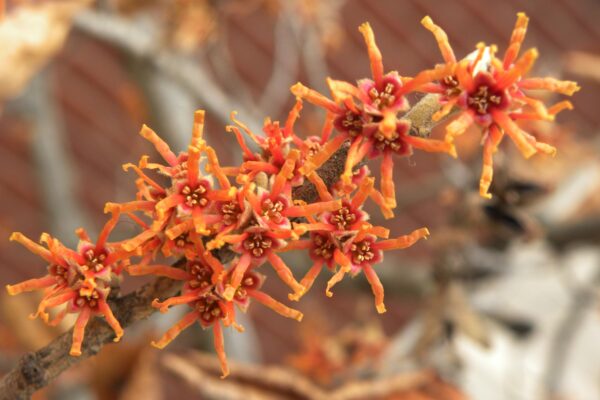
pixel 224 224
pixel 487 91
pixel 491 93
pixel 79 280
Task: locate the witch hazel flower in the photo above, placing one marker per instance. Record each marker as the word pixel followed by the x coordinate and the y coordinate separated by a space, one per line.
pixel 364 251
pixel 202 292
pixel 331 229
pixel 267 225
pixel 367 116
pixel 491 93
pixel 257 244
pixel 77 280
pixel 344 238
pixel 188 202
pixel 199 294
pixel 383 96
pixel 274 148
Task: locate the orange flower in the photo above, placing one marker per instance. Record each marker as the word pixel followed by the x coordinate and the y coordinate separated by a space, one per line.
pixel 77 279
pixel 275 154
pixel 257 244
pixel 344 237
pixel 363 251
pixel 372 125
pixel 490 93
pixel 203 292
pixel 188 203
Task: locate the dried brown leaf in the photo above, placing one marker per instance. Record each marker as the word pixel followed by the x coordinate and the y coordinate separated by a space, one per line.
pixel 29 36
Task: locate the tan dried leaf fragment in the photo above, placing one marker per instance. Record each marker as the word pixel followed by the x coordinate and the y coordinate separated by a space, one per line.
pixel 29 36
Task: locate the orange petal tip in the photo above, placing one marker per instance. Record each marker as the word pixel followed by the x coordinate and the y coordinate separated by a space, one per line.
pixel 11 290
pixel 364 28
pixel 157 345
pixel 145 131
pixel 15 236
pixel 294 297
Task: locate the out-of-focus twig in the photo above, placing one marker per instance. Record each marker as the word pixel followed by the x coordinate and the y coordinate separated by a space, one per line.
pixel 265 383
pixel 137 42
pixel 54 164
pixel 285 63
pixel 584 64
pixel 565 334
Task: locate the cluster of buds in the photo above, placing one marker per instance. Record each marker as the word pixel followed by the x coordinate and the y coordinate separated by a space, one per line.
pixel 192 209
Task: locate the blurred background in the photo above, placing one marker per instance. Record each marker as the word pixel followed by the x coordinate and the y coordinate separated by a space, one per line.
pixel 501 303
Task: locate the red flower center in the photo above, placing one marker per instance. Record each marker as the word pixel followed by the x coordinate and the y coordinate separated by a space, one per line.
pixel 343 217
pixel 90 300
pixel 183 240
pixel 272 209
pixel 250 282
pixel 208 308
pixel 59 273
pixel 450 84
pixel 231 212
pixel 385 97
pixel 257 244
pixel 322 247
pixel 349 122
pixel 361 252
pixel 201 274
pixel 486 95
pixel 393 143
pixel 195 196
pixel 483 99
pixel 94 260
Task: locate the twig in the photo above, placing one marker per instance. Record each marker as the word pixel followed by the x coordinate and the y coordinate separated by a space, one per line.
pixel 248 382
pixel 35 370
pixel 583 230
pixel 139 43
pixel 285 63
pixel 420 115
pixel 54 165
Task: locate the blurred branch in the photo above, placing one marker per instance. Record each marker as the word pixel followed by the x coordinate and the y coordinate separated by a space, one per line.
pixel 137 42
pixel 248 382
pixel 574 315
pixel 584 230
pixel 222 63
pixel 54 165
pixel 285 63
